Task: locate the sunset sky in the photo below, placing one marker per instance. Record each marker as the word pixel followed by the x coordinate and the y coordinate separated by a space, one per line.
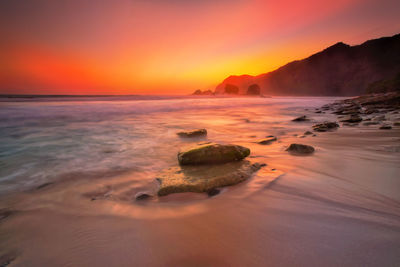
pixel 170 46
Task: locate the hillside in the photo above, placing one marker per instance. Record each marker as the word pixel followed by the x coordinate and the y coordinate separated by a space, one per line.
pixel 338 70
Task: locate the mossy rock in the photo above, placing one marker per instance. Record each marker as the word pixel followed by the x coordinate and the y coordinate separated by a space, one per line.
pixel 204 178
pixel 212 153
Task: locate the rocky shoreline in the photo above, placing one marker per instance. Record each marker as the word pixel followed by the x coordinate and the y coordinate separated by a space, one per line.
pixel 209 166
pixel 375 109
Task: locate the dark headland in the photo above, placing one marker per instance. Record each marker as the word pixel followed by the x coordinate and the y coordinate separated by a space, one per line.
pixel 339 70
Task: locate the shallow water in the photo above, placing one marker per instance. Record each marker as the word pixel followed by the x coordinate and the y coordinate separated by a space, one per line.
pixel 338 207
pixel 42 141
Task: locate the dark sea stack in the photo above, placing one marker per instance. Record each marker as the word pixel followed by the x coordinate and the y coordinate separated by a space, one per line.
pixel 242 82
pixel 208 92
pixel 212 153
pixel 199 92
pixel 340 69
pixel 254 89
pixel 325 126
pixel 192 133
pixel 301 118
pixel 231 89
pixel 300 149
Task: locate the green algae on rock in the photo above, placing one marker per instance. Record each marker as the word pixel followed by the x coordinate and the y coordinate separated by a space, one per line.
pixel 211 153
pixel 204 178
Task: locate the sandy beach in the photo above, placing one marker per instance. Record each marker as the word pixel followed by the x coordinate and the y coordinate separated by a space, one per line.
pixel 337 207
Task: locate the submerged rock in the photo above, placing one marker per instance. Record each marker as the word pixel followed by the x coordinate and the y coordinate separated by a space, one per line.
pixel 193 133
pixel 204 178
pixel 325 126
pixel 308 133
pixel 300 149
pixel 301 118
pixel 267 141
pixel 211 153
pixel 352 118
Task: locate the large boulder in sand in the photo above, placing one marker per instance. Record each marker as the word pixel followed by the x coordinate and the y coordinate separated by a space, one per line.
pixel 300 149
pixel 210 153
pixel 192 133
pixel 204 178
pixel 325 126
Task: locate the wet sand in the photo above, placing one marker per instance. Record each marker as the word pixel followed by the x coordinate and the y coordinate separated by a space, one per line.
pixel 337 207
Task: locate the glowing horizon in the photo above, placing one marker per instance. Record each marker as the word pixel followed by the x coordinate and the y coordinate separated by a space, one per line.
pixel 170 47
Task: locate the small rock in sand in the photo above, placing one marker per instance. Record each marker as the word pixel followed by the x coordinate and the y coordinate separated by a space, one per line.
pixel 308 133
pixel 7 259
pixel 4 213
pixel 385 127
pixel 193 133
pixel 301 118
pixel 352 118
pixel 267 141
pixel 300 149
pixel 325 126
pixel 213 192
pixel 396 124
pixel 142 195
